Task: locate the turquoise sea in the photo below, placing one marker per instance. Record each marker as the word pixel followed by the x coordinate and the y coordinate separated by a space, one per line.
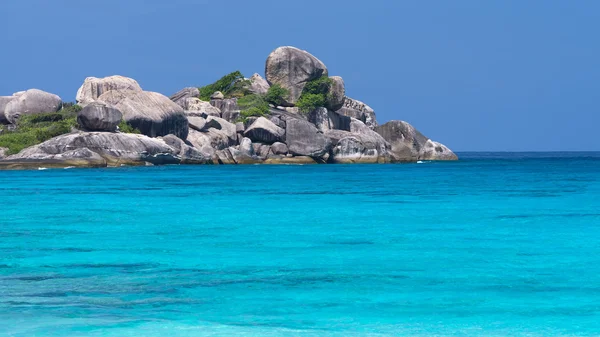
pixel 497 244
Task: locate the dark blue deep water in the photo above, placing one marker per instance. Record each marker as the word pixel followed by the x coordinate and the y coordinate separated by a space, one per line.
pixel 493 245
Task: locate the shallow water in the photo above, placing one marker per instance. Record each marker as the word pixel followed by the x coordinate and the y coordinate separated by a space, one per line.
pixel 493 245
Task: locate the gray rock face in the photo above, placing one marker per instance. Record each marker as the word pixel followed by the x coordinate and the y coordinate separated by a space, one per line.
pixel 230 111
pixel 240 157
pixel 217 134
pixel 187 153
pixel 81 157
pixel 93 87
pixel 228 129
pixel 361 145
pixel 95 149
pixel 298 160
pixel 258 85
pixel 263 151
pixel 359 110
pixel 195 107
pixel 3 152
pixel 32 101
pixel 406 141
pixel 304 139
pixel 279 148
pixel 291 68
pixel 99 117
pixel 246 147
pixel 217 95
pixel 408 144
pixel 337 94
pixel 239 127
pixel 181 95
pixel 436 151
pixel 197 123
pixel 325 119
pixel 225 157
pixel 277 121
pixel 4 100
pixel 264 131
pixel 150 112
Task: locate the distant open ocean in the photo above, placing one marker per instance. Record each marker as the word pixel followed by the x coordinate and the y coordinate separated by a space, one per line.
pixel 497 244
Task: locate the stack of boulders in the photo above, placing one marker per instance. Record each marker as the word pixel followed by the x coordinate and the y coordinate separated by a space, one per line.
pixel 184 129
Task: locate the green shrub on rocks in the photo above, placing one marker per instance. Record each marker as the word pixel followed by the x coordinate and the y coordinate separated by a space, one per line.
pixel 127 128
pixel 277 95
pixel 38 128
pixel 309 102
pixel 231 85
pixel 253 105
pixel 314 94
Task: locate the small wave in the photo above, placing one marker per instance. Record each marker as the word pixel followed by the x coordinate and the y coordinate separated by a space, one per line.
pixel 69 167
pixel 42 168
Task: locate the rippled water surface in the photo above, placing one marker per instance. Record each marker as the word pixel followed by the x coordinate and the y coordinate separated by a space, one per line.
pixel 493 245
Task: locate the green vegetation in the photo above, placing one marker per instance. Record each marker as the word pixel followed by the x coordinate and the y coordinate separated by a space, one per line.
pixel 277 95
pixel 35 129
pixel 231 85
pixel 127 128
pixel 252 105
pixel 314 94
pixel 309 102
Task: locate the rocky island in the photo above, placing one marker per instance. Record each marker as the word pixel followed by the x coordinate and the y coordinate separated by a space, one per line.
pixel 297 114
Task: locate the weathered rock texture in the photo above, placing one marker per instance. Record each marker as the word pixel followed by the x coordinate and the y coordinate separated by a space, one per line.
pixel 99 117
pixel 304 139
pixel 264 131
pixel 291 68
pixel 436 151
pixel 97 149
pixel 217 134
pixel 150 112
pixel 4 100
pixel 196 107
pixel 359 110
pixel 337 93
pixel 93 87
pixel 228 107
pixel 408 144
pixel 325 119
pixel 258 85
pixel 181 95
pixel 32 101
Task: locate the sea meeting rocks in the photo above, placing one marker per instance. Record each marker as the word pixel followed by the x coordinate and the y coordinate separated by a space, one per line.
pixel 184 129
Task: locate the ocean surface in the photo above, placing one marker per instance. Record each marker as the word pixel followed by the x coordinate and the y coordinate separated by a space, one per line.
pixel 497 244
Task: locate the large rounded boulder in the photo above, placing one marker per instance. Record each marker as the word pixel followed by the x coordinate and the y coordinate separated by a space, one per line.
pixel 99 117
pixel 93 87
pixel 291 68
pixel 408 144
pixel 4 100
pixel 436 151
pixel 31 102
pixel 150 112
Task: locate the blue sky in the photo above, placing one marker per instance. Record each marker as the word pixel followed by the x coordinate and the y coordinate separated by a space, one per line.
pixel 476 75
